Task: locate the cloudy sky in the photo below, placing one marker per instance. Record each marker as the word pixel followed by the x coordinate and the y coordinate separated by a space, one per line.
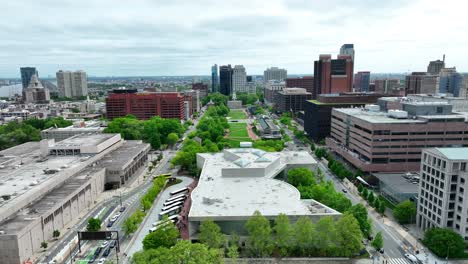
pixel 185 37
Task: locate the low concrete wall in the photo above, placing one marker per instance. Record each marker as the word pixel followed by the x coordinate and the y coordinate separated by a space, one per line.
pixel 298 261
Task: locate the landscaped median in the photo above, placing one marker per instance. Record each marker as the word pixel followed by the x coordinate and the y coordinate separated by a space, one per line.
pixel 132 223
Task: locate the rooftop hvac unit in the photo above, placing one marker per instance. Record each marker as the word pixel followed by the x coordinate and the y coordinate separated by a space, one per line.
pixel 373 108
pixel 398 114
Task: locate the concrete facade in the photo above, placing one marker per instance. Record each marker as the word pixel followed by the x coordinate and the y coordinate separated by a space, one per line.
pixel 443 191
pixel 376 141
pixel 421 83
pixel 235 183
pixel 72 84
pixel 239 79
pixel 270 90
pixel 291 99
pixel 274 74
pixel 43 192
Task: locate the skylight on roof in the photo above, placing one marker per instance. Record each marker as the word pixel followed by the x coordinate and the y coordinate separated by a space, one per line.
pixel 263 159
pixel 259 153
pixel 242 162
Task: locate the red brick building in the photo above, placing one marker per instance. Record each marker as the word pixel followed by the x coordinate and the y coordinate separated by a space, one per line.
pixel 333 75
pixel 306 82
pixel 144 105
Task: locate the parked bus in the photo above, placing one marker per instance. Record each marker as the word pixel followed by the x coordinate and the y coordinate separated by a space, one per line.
pixel 183 190
pixel 176 197
pixel 181 199
pixel 170 212
pixel 172 205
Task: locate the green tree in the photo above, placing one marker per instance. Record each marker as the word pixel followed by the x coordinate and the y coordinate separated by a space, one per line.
pixel 365 193
pixel 444 242
pixel 304 236
pixel 129 226
pixel 301 176
pixel 376 203
pixel 94 224
pixel 360 214
pixel 165 236
pixel 56 234
pixel 259 242
pixel 44 245
pixel 172 138
pixel 377 242
pixel 283 234
pixel 360 188
pixel 210 234
pixel 382 207
pixel 182 252
pixel 233 253
pixel 370 198
pixel 350 235
pixel 327 237
pixel 405 212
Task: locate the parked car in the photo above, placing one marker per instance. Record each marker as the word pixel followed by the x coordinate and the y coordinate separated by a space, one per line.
pixel 412 258
pixel 102 260
pixel 122 209
pixel 344 190
pixel 104 244
pixel 110 224
pixel 112 244
pixel 106 252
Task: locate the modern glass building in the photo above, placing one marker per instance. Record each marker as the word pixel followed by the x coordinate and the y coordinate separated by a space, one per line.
pixel 214 79
pixel 26 74
pixel 450 81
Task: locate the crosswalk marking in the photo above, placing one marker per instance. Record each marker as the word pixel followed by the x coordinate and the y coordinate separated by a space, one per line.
pixel 397 261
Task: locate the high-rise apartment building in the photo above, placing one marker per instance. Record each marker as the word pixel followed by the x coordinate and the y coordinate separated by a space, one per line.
pixel 122 102
pixel 239 78
pixel 26 75
pixel 362 81
pixel 274 73
pixel 443 187
pixel 389 136
pixel 214 79
pixel 225 79
pixel 72 84
pixel 450 81
pixel 333 75
pixel 202 88
pixel 306 82
pixel 421 83
pixel 347 49
pixel 434 67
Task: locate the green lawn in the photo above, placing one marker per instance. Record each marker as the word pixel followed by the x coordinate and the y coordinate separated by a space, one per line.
pixel 237 114
pixel 237 130
pixel 238 133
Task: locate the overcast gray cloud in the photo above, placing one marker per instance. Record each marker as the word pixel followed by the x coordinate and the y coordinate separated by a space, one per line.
pixel 181 37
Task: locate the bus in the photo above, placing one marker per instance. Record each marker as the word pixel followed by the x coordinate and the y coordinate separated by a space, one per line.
pixel 181 199
pixel 183 190
pixel 176 197
pixel 170 212
pixel 172 205
pixel 174 218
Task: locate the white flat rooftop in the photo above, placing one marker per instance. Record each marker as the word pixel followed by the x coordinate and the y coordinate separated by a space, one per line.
pixel 374 117
pixel 236 182
pixel 23 170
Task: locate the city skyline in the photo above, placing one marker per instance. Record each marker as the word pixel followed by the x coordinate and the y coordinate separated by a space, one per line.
pixel 149 39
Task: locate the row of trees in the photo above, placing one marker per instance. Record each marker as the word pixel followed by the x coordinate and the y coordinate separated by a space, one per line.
pixel 15 133
pixel 376 202
pixel 304 238
pixel 131 224
pixel 210 129
pixel 156 131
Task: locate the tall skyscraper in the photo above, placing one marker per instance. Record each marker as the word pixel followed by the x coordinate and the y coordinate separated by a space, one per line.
pixel 214 78
pixel 225 79
pixel 72 84
pixel 35 93
pixel 434 67
pixel 26 75
pixel 239 77
pixel 332 75
pixel 421 83
pixel 347 49
pixel 274 73
pixel 450 81
pixel 361 81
